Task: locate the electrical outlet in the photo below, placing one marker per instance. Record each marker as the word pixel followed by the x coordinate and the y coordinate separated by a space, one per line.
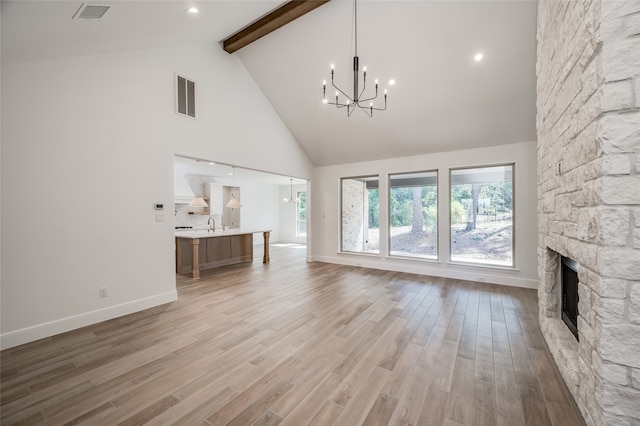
pixel 102 292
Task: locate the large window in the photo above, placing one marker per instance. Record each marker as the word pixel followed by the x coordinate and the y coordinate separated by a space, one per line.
pixel 360 208
pixel 413 214
pixel 301 215
pixel 482 215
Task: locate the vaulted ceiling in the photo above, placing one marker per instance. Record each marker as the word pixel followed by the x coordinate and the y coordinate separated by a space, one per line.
pixel 443 100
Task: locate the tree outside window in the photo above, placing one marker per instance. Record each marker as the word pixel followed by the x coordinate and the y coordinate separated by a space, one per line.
pixel 301 215
pixel 482 215
pixel 413 214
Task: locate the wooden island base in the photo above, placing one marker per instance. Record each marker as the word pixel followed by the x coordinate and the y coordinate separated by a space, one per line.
pixel 200 251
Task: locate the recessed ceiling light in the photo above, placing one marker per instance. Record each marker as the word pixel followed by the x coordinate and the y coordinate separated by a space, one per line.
pixel 192 10
pixel 392 82
pixel 230 173
pixel 212 163
pixel 478 57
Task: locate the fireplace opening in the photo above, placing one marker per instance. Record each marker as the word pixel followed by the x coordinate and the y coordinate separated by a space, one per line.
pixel 569 277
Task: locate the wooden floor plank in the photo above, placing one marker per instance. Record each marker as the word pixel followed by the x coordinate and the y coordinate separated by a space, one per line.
pixel 433 408
pixel 460 396
pixel 381 412
pixel 358 407
pixel 295 343
pixel 327 415
pixel 483 411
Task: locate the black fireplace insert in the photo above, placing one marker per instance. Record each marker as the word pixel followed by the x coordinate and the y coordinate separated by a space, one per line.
pixel 570 298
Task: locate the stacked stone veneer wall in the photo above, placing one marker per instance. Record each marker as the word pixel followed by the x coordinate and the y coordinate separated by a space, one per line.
pixel 588 122
pixel 355 206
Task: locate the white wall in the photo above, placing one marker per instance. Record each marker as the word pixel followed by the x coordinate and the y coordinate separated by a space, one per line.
pixel 87 149
pixel 260 209
pixel 326 212
pixel 288 215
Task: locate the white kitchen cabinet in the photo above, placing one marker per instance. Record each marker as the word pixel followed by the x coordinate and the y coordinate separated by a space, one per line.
pixel 215 199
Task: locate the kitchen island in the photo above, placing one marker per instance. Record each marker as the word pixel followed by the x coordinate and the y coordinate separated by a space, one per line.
pixel 204 249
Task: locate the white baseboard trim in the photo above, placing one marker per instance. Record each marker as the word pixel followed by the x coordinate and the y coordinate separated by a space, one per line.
pixel 40 331
pixel 434 269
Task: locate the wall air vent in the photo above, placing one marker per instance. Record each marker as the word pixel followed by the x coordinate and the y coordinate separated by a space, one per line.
pixel 185 96
pixel 90 11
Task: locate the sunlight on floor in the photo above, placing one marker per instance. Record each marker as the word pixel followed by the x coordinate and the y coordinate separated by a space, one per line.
pixel 291 245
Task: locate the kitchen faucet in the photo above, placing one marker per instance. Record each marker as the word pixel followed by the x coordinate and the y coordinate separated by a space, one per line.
pixel 212 224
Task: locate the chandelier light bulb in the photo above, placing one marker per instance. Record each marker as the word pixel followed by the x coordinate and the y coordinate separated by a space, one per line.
pixel 392 82
pixel 332 67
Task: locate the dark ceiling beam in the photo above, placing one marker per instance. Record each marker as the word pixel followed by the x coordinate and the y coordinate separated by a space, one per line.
pixel 271 22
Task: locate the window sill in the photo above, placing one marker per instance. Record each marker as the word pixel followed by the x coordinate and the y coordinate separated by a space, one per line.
pixel 487 266
pixel 360 253
pixel 415 259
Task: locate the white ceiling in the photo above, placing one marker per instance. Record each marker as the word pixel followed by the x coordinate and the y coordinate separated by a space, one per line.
pixel 443 99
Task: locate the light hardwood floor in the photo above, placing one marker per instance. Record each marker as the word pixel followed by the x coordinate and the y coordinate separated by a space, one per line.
pixel 296 343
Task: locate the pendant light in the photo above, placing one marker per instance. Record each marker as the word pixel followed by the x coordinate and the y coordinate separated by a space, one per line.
pixel 291 200
pixel 198 202
pixel 233 203
pixel 342 99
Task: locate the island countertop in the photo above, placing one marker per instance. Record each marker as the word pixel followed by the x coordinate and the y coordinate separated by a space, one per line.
pixel 203 249
pixel 203 233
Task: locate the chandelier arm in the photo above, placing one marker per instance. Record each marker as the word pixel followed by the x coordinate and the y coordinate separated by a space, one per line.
pixel 380 109
pixel 369 99
pixel 339 105
pixel 367 110
pixel 340 90
pixel 364 86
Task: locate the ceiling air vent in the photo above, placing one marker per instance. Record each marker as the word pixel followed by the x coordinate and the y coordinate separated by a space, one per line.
pixel 90 11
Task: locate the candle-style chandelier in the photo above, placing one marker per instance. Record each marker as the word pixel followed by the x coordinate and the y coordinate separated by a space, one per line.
pixel 357 100
pixel 291 200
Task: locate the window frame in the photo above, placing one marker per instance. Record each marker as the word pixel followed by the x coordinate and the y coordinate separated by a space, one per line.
pixel 513 265
pixel 340 204
pixel 298 233
pixel 435 259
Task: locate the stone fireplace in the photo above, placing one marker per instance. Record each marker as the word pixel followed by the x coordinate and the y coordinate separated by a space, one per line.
pixel 588 125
